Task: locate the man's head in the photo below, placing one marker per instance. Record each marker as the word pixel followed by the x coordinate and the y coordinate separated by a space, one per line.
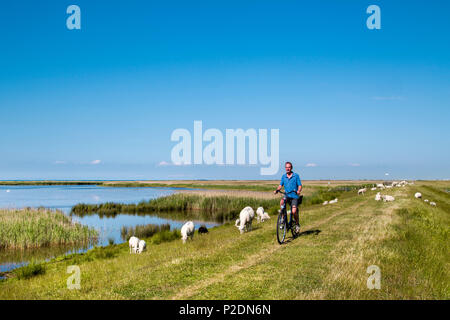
pixel 288 167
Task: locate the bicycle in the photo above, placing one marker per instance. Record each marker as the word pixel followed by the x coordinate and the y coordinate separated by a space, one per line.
pixel 284 224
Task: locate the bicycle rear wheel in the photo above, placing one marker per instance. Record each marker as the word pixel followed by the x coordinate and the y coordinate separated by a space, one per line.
pixel 281 228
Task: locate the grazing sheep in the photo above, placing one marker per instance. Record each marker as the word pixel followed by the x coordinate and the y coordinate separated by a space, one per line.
pixel 378 197
pixel 426 200
pixel 374 188
pixel 388 187
pixel 265 217
pixel 333 201
pixel 380 185
pixel 141 246
pixel 262 215
pixel 418 195
pixel 202 229
pixel 245 219
pixel 432 203
pixel 387 198
pixel 325 202
pixel 362 191
pixel 187 231
pixel 133 243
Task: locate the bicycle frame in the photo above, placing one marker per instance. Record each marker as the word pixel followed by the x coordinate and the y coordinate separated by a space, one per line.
pixel 284 223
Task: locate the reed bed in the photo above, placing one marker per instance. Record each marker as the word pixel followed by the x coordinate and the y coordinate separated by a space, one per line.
pixel 142 231
pixel 34 228
pixel 216 207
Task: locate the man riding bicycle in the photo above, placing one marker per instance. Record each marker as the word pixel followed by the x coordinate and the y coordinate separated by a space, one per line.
pixel 292 187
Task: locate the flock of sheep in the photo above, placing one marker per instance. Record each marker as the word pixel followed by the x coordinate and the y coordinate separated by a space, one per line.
pixel 246 216
pixel 418 195
pixel 136 245
pixel 244 223
pixel 381 186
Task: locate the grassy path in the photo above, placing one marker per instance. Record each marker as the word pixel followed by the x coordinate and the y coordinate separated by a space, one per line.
pixel 328 261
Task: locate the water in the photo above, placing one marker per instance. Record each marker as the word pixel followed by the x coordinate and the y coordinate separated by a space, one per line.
pixel 65 197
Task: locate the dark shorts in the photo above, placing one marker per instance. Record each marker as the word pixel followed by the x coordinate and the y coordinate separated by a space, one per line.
pixel 292 202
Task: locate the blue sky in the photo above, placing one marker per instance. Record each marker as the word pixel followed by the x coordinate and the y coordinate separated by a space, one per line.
pixel 350 102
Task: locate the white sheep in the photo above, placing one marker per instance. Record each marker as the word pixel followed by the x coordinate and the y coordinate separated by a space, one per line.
pixel 333 201
pixel 325 203
pixel 374 188
pixel 362 191
pixel 262 215
pixel 380 185
pixel 387 198
pixel 378 197
pixel 432 203
pixel 141 246
pixel 418 195
pixel 388 187
pixel 426 200
pixel 187 231
pixel 245 219
pixel 133 243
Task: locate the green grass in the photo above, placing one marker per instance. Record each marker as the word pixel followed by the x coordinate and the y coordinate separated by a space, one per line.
pixel 33 228
pixel 407 239
pixel 31 270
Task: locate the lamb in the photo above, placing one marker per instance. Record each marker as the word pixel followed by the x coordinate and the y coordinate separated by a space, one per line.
pixel 387 198
pixel 378 197
pixel 202 229
pixel 187 231
pixel 333 201
pixel 133 243
pixel 141 246
pixel 432 203
pixel 245 219
pixel 362 191
pixel 418 195
pixel 426 200
pixel 262 215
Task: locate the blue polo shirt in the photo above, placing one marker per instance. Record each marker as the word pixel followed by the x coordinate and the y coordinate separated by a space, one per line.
pixel 291 184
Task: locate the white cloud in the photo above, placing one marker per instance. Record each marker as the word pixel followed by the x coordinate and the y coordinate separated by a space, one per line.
pixel 386 174
pixel 60 162
pixel 311 165
pixel 354 165
pixel 96 161
pixel 163 163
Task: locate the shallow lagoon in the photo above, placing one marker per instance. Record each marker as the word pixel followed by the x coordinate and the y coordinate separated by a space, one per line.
pixel 65 197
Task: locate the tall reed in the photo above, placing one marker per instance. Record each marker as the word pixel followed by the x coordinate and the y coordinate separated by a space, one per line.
pixel 32 228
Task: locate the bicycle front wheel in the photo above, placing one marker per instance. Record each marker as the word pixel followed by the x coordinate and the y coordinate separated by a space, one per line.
pixel 281 228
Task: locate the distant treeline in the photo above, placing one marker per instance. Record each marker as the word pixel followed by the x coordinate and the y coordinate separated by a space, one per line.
pixel 49 183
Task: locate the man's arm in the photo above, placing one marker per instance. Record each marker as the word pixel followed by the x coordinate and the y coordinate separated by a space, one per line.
pixel 278 189
pixel 299 185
